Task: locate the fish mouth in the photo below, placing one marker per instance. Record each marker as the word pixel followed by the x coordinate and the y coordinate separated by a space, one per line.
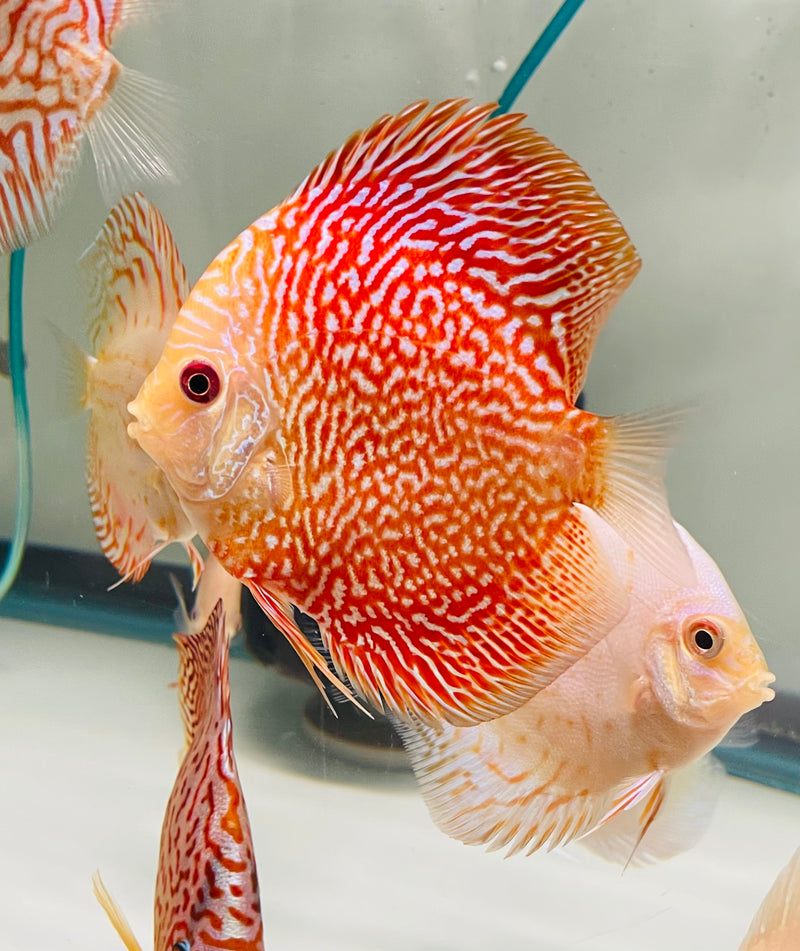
pixel 759 685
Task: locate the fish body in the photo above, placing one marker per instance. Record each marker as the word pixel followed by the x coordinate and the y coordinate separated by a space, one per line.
pixel 776 926
pixel 59 82
pixel 366 407
pixel 137 284
pixel 207 886
pixel 651 698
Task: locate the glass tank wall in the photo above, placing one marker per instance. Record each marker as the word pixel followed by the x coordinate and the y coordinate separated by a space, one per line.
pixel 685 117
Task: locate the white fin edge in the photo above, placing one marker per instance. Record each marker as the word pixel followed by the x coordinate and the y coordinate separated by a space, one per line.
pixel 118 920
pixel 634 496
pixel 131 135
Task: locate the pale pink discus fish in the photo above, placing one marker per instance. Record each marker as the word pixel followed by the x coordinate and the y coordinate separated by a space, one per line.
pixel 776 926
pixel 207 887
pixel 58 82
pixel 653 696
pixel 137 284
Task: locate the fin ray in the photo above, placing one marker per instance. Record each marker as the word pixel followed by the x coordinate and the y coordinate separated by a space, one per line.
pixel 481 791
pixel 634 498
pixel 118 920
pixel 130 135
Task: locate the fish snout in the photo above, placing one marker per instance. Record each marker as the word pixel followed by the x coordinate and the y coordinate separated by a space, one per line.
pixel 750 660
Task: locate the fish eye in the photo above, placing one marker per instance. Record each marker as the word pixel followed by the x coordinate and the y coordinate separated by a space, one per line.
pixel 200 382
pixel 181 945
pixel 704 638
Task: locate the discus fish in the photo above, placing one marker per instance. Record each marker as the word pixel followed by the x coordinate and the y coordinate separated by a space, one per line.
pixel 207 887
pixel 652 697
pixel 59 81
pixel 776 926
pixel 137 284
pixel 366 408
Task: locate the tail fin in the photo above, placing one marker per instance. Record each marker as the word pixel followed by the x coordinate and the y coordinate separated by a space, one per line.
pixel 203 683
pixel 634 498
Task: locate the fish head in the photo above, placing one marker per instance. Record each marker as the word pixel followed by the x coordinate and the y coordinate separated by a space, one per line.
pixel 204 411
pixel 704 663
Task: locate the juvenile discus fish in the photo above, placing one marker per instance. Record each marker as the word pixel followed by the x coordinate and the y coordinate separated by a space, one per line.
pixel 367 408
pixel 137 284
pixel 611 733
pixel 207 887
pixel 58 82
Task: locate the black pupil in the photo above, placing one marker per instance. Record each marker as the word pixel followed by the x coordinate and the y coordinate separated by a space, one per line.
pixel 199 384
pixel 704 639
pixel 181 946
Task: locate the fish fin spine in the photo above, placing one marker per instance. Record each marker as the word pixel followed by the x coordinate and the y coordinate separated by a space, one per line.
pixel 118 920
pixel 279 611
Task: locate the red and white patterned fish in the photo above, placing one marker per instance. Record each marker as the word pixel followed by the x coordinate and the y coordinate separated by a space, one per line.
pixel 207 887
pixel 58 82
pixel 367 408
pixel 137 284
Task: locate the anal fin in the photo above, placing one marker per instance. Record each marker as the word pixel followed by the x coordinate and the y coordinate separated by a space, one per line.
pixel 279 611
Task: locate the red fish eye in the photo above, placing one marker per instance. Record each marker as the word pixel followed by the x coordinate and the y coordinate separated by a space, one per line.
pixel 704 639
pixel 200 382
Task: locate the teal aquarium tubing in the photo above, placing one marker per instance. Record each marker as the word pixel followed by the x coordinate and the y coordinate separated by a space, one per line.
pixel 537 53
pixel 16 360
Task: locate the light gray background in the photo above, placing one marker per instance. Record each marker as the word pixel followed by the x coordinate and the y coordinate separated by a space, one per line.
pixel 686 116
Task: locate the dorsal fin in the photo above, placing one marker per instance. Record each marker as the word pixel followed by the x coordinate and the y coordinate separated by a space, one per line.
pixel 515 224
pixel 136 281
pixel 203 672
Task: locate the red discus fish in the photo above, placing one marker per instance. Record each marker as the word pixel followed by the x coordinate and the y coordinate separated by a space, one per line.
pixel 137 285
pixel 59 81
pixel 207 887
pixel 403 340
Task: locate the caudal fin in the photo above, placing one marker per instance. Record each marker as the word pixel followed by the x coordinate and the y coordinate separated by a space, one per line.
pixel 203 685
pixel 633 498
